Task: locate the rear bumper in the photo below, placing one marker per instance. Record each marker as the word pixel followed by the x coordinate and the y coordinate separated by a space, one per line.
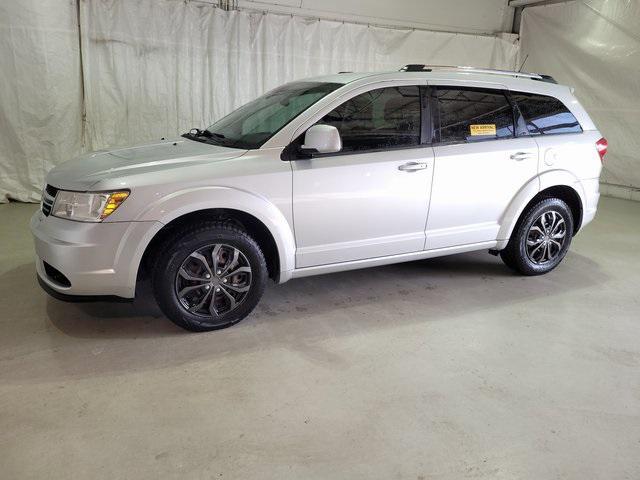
pixel 591 197
pixel 96 258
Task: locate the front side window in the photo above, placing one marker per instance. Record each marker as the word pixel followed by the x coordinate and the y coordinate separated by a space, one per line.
pixel 470 115
pixel 545 115
pixel 251 125
pixel 384 118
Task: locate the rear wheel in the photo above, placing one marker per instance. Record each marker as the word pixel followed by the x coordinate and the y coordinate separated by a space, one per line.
pixel 541 238
pixel 209 277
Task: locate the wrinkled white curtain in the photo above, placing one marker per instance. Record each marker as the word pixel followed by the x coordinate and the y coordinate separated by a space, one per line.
pixel 594 46
pixel 155 68
pixel 40 93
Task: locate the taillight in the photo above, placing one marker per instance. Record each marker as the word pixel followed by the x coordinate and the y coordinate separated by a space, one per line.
pixel 601 146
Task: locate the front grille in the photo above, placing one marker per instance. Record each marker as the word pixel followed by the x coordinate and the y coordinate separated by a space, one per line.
pixel 56 275
pixel 48 196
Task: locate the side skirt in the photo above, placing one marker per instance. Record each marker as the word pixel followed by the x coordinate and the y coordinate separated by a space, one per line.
pixel 379 261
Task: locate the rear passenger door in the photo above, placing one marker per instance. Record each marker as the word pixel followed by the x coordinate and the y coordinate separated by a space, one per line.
pixel 479 164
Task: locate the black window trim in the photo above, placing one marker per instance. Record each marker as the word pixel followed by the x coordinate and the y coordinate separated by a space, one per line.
pixel 518 117
pixel 426 118
pixel 290 152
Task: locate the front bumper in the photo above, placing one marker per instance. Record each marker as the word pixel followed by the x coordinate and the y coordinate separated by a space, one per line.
pixel 96 258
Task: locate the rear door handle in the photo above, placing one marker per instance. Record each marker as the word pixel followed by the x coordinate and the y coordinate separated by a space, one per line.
pixel 413 166
pixel 519 156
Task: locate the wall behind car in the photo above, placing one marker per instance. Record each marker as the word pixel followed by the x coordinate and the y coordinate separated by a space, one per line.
pixel 595 46
pixel 157 68
pixel 470 16
pixel 40 93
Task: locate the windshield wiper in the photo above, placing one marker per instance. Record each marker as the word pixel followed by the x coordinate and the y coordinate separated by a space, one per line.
pixel 207 136
pixel 196 132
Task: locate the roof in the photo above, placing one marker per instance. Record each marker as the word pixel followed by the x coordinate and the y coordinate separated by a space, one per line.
pixel 529 82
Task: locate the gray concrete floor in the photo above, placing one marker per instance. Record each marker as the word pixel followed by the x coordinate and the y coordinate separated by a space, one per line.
pixel 449 368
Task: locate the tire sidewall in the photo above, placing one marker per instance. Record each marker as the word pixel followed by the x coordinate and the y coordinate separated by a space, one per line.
pixel 172 258
pixel 547 205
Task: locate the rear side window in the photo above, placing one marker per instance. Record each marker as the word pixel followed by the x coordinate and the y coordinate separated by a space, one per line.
pixel 471 115
pixel 545 115
pixel 383 118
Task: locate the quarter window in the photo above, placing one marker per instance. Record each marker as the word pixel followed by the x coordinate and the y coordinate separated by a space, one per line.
pixel 379 119
pixel 545 115
pixel 470 115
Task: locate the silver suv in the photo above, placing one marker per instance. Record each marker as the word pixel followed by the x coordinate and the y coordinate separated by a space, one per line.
pixel 322 175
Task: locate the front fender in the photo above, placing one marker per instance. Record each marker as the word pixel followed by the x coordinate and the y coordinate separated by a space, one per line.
pixel 547 179
pixel 177 204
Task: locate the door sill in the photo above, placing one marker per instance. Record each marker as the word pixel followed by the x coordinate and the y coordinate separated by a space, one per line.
pixel 379 261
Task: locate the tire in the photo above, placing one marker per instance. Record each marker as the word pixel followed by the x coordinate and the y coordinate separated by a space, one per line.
pixel 235 283
pixel 540 239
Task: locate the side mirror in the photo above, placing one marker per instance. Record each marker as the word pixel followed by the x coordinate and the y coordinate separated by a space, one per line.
pixel 321 139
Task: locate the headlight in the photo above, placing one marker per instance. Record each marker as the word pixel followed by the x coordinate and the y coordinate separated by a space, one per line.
pixel 87 207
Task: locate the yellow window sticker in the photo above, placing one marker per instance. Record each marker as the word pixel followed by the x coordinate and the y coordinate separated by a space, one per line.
pixel 486 129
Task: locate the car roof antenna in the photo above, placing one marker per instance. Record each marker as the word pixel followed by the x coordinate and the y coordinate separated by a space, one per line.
pixel 525 61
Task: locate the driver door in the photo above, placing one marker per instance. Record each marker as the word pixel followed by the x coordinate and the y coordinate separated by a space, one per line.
pixel 370 199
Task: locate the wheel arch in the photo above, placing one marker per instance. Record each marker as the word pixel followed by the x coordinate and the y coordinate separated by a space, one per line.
pixel 258 217
pixel 568 195
pixel 559 184
pixel 248 223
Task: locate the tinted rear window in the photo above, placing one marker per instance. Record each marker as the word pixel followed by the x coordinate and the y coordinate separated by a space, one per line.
pixel 545 115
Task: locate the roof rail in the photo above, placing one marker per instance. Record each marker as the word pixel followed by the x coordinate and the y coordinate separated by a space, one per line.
pixel 416 67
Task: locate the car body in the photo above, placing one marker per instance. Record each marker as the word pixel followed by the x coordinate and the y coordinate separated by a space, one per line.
pixel 432 189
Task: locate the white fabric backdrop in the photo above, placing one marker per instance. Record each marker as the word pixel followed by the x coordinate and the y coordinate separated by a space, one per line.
pixel 594 46
pixel 155 68
pixel 40 94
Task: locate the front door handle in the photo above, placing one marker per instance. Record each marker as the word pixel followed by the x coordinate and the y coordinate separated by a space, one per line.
pixel 519 156
pixel 413 166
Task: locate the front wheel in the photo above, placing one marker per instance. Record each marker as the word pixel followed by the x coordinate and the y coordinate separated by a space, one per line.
pixel 210 276
pixel 541 238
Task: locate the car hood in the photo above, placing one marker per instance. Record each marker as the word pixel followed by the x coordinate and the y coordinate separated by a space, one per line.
pixel 87 170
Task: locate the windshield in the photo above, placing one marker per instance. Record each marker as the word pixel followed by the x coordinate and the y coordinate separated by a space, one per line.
pixel 253 124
